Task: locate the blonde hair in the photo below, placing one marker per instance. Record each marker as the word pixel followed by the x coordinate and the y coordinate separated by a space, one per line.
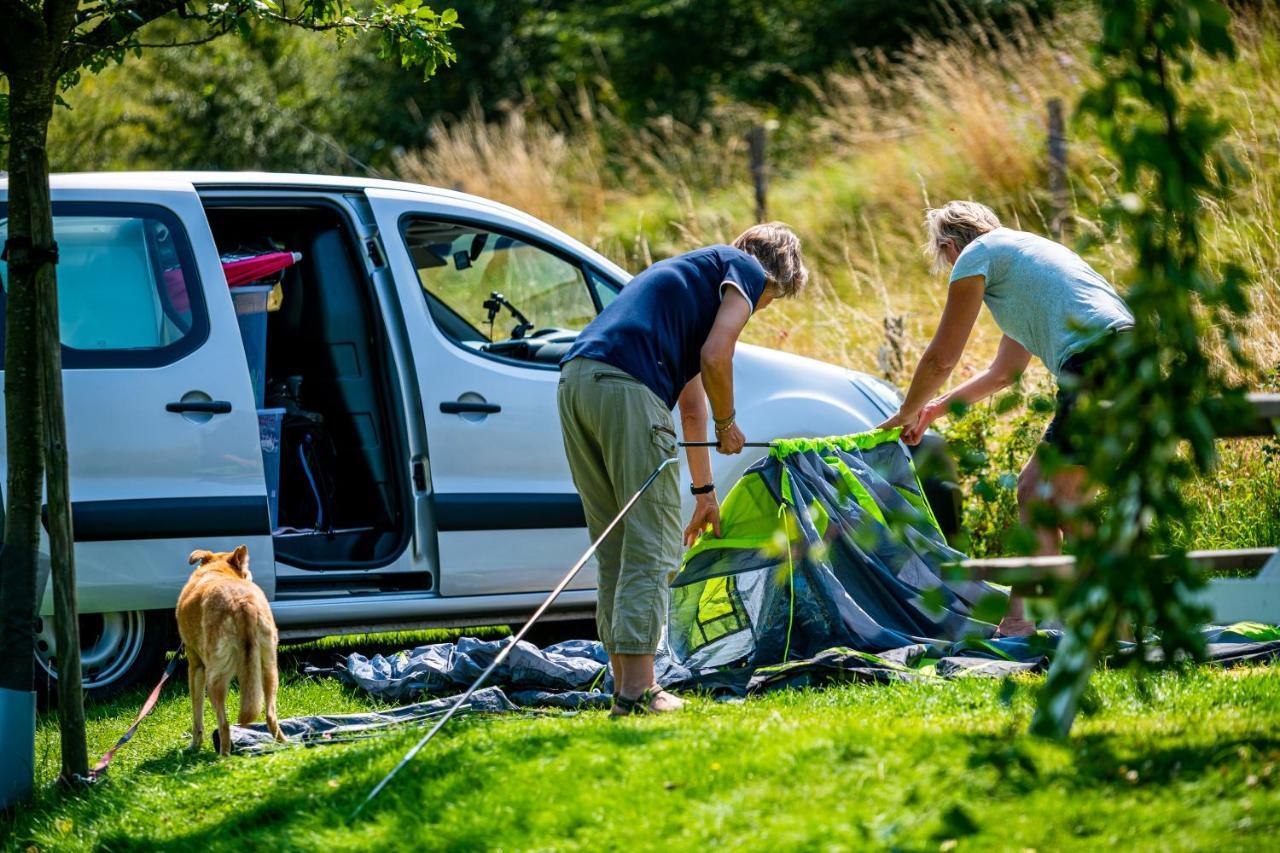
pixel 777 248
pixel 958 223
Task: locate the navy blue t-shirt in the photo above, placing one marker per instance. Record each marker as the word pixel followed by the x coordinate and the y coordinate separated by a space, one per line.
pixel 655 328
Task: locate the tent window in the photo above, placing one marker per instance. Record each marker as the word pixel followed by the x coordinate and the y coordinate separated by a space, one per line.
pixel 720 611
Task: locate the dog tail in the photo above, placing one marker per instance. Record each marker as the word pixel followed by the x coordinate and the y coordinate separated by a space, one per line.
pixel 250 674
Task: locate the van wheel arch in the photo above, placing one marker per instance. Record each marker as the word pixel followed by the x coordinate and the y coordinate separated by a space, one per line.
pixel 120 650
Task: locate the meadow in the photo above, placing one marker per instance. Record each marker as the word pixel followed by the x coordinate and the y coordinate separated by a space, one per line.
pixel 1192 761
pixel 960 117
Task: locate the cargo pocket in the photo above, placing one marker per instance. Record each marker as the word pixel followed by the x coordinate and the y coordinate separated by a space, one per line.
pixel 666 490
pixel 665 439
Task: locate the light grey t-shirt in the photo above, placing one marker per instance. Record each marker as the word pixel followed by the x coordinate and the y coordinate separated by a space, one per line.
pixel 1042 294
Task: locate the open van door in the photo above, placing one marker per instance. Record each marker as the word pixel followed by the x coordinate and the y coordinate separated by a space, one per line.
pixel 162 427
pixel 506 511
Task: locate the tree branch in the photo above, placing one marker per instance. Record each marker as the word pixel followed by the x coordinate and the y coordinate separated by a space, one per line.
pixel 22 23
pixel 15 10
pixel 213 36
pixel 113 32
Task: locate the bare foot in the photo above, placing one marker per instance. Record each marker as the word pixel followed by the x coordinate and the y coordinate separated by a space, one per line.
pixel 1012 626
pixel 666 702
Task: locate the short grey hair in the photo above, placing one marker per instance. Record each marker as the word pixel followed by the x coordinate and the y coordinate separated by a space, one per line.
pixel 958 223
pixel 777 248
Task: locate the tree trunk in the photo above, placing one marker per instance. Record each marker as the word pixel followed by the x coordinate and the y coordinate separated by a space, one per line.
pixel 75 758
pixel 30 219
pixel 33 409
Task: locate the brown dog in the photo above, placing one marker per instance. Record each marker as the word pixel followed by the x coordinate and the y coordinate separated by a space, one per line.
pixel 227 628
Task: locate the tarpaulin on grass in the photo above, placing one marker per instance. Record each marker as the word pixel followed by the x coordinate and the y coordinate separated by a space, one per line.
pixel 339 728
pixel 565 675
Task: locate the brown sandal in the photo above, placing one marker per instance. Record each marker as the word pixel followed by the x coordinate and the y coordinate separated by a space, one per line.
pixel 642 704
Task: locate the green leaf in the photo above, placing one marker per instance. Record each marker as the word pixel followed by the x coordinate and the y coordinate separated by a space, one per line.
pixel 990 608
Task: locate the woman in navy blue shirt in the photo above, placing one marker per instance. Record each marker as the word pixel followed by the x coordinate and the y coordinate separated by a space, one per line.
pixel 666 340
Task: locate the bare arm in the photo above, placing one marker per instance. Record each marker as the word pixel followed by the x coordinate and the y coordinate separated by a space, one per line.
pixel 693 424
pixel 717 364
pixel 964 300
pixel 714 383
pixel 1010 362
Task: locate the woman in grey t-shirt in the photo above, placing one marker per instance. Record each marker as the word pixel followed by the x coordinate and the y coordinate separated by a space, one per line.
pixel 1049 303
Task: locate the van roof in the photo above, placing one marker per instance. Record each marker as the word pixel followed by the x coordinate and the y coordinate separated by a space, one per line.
pixel 126 180
pixel 157 179
pixel 217 180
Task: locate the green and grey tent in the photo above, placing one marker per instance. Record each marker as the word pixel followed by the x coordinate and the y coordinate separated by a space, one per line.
pixel 826 543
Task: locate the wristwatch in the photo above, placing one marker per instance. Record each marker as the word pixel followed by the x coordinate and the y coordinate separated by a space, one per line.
pixel 702 490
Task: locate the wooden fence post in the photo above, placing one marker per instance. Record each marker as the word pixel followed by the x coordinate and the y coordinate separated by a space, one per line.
pixel 1057 169
pixel 756 140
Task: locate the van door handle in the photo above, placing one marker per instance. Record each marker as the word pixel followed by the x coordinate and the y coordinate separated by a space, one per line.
pixel 467 407
pixel 203 407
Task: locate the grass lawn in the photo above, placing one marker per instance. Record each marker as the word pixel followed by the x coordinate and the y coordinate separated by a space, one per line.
pixel 1194 765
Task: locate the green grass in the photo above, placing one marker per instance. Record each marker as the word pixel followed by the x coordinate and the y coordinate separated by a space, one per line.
pixel 1192 766
pixel 391 641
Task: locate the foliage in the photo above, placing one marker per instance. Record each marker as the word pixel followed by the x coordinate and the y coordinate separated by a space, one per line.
pixel 905 767
pixel 108 32
pixel 958 117
pixel 991 442
pixel 1161 387
pixel 286 100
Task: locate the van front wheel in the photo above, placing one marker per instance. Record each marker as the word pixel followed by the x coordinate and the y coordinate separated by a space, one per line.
pixel 117 651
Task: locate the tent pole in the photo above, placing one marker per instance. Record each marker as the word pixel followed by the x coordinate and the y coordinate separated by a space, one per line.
pixel 519 635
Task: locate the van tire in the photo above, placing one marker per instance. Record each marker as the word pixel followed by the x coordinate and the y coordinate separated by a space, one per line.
pixel 120 651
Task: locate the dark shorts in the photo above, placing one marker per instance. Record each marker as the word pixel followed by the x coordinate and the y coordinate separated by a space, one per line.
pixel 1077 377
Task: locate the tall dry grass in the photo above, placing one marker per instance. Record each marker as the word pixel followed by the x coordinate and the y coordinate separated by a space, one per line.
pixel 959 117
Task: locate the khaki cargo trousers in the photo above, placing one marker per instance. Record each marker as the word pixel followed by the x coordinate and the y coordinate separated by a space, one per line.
pixel 616 432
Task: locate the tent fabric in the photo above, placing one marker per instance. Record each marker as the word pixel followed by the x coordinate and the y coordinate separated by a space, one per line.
pixel 824 545
pixel 338 728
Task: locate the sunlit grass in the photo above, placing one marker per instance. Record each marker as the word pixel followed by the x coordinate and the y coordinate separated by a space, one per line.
pixel 1192 765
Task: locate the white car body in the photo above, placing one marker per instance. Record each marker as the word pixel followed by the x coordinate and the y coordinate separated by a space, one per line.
pixel 148 485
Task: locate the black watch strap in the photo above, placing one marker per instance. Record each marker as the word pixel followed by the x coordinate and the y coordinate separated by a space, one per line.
pixel 702 490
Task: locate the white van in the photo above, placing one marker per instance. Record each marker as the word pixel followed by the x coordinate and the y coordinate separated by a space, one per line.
pixel 423 480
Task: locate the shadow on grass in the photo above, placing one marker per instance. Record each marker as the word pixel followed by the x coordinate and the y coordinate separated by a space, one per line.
pixel 1099 761
pixel 1099 764
pixel 305 800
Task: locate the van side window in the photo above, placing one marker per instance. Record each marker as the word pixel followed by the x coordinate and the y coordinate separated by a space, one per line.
pixel 128 293
pixel 540 295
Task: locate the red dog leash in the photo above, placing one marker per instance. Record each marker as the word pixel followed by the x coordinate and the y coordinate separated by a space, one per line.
pixel 147 706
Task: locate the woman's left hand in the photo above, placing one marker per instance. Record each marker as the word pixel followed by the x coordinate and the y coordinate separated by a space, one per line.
pixel 706 513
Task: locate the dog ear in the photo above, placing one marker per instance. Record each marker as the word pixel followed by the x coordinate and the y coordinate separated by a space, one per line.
pixel 200 557
pixel 240 559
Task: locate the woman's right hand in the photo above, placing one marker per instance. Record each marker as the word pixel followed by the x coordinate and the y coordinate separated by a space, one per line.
pixel 731 440
pixel 934 409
